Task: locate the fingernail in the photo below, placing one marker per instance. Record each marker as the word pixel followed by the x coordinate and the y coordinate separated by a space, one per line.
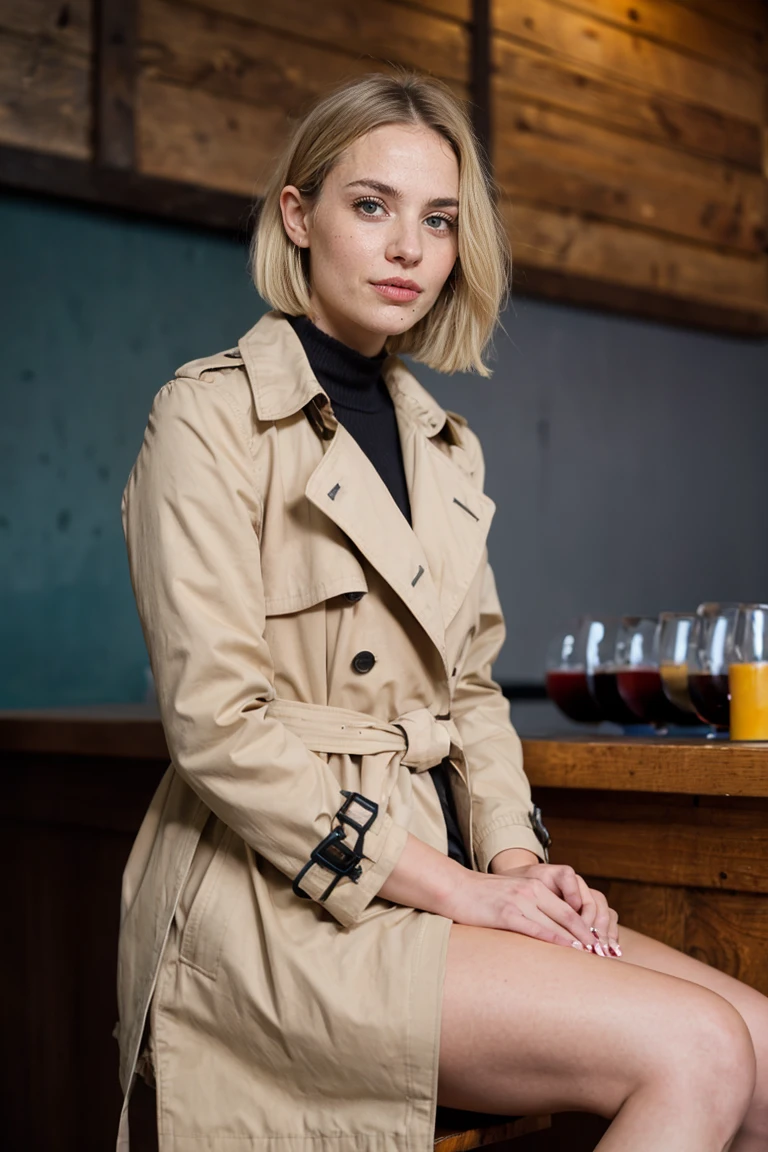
pixel 617 949
pixel 578 944
pixel 599 949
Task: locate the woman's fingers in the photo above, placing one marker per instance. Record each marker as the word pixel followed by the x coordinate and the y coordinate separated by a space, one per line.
pixel 613 932
pixel 588 910
pixel 605 924
pixel 567 883
pixel 560 879
pixel 593 910
pixel 539 930
pixel 602 921
pixel 548 905
pixel 589 914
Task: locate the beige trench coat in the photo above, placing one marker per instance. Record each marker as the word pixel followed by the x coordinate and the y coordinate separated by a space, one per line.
pixel 253 523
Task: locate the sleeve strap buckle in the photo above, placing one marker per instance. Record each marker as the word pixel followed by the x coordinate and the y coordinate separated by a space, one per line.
pixel 332 853
pixel 542 835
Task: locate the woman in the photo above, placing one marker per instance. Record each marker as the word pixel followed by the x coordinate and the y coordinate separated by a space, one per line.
pixel 339 910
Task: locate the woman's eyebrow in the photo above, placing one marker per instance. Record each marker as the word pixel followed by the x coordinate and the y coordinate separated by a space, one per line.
pixel 388 190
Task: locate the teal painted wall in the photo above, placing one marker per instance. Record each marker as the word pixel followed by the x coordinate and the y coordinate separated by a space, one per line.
pixel 627 459
pixel 97 313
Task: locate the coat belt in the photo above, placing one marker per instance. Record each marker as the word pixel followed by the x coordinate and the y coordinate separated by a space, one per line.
pixel 425 740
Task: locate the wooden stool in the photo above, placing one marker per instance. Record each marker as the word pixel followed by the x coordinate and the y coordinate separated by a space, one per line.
pixel 460 1131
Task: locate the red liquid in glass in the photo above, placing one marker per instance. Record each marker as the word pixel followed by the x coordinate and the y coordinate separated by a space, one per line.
pixel 709 696
pixel 569 690
pixel 612 707
pixel 642 690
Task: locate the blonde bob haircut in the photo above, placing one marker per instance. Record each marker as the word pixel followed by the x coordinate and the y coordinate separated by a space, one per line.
pixel 453 335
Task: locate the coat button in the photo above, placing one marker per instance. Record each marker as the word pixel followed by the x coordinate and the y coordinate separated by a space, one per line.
pixel 353 597
pixel 363 662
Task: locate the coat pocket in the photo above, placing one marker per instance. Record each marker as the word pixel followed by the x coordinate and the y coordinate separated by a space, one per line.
pixel 203 936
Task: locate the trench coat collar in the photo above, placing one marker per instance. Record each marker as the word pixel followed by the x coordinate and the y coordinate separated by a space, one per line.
pixel 430 564
pixel 283 382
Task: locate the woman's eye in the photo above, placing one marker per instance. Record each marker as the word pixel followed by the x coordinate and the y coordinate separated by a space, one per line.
pixel 364 205
pixel 440 223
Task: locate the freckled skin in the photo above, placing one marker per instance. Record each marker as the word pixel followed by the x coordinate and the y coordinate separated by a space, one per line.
pixel 357 236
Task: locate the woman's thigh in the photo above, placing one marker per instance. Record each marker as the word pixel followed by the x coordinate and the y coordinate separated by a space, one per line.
pixel 534 1027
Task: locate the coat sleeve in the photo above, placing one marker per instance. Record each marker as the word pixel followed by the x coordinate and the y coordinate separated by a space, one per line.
pixel 499 789
pixel 191 516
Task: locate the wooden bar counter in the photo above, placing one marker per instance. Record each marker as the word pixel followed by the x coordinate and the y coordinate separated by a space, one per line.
pixel 675 833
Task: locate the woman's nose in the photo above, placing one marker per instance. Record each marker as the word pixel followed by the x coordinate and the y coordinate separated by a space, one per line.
pixel 405 243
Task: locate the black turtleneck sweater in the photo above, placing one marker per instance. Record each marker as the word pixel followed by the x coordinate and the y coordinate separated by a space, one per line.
pixel 362 403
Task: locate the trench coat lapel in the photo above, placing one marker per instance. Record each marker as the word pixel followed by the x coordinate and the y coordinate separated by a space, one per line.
pixel 451 516
pixel 346 487
pixel 430 565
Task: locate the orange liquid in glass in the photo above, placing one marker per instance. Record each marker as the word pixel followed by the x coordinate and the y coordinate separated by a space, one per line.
pixel 674 677
pixel 749 701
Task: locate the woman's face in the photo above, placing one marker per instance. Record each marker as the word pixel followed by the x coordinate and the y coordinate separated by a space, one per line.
pixel 388 210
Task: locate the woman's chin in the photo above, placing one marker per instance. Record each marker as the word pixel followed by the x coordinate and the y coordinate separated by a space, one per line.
pixel 393 320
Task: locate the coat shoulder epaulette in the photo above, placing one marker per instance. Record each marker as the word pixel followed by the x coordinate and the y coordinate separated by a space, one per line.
pixel 198 369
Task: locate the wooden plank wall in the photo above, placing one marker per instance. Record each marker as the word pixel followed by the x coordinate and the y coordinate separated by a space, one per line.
pixel 629 137
pixel 45 75
pixel 216 87
pixel 629 142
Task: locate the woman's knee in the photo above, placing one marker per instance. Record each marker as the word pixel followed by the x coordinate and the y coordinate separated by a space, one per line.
pixel 708 1055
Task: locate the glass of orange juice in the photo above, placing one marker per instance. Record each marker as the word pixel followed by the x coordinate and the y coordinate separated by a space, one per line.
pixel 748 673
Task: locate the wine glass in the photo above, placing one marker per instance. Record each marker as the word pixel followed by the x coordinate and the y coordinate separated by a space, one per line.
pixel 709 655
pixel 605 676
pixel 674 639
pixel 570 660
pixel 637 677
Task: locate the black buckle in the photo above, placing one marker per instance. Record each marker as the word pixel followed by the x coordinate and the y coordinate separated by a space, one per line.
pixel 542 835
pixel 363 801
pixel 332 853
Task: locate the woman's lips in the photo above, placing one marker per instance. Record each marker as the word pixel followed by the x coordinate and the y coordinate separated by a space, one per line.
pixel 394 292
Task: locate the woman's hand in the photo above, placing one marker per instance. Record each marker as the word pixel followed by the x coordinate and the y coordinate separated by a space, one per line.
pixel 546 901
pixel 590 904
pixel 520 901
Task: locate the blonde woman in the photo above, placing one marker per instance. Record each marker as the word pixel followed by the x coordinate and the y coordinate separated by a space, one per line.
pixel 339 910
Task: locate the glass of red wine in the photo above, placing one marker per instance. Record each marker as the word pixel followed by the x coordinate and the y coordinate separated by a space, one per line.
pixel 709 656
pixel 638 677
pixel 570 663
pixel 605 680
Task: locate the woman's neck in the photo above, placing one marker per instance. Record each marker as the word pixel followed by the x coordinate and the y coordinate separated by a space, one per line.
pixel 347 375
pixel 347 332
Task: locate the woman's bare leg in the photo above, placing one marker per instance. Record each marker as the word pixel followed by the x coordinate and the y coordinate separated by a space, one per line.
pixel 532 1027
pixel 751 1005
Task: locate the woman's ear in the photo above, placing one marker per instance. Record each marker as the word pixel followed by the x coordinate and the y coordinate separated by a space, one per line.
pixel 294 215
